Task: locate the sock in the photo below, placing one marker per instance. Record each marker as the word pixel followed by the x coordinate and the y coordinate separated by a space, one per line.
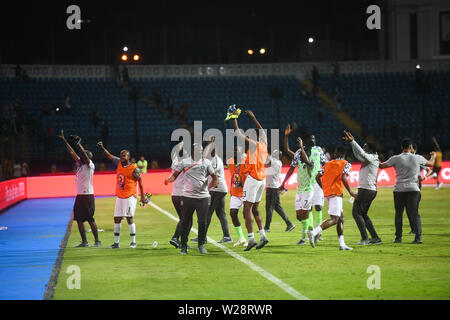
pixel 341 241
pixel 317 230
pixel 117 227
pixel 311 221
pixel 318 218
pixel 239 232
pixel 262 233
pixel 251 236
pixel 305 224
pixel 132 232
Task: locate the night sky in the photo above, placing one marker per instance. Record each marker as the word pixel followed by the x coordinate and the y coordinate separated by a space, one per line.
pixel 176 32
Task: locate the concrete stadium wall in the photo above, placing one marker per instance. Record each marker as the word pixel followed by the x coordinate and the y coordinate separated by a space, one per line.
pixel 300 70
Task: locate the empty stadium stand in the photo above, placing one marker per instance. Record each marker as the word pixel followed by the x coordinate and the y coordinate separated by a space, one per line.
pixel 375 99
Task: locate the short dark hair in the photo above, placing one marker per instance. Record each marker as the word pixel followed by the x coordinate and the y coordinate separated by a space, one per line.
pixel 372 147
pixel 406 143
pixel 341 151
pixel 414 145
pixel 307 136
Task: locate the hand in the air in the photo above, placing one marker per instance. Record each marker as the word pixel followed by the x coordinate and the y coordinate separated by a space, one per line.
pixel 288 130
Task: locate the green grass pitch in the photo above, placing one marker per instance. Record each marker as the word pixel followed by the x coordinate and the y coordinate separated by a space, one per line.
pixel 407 271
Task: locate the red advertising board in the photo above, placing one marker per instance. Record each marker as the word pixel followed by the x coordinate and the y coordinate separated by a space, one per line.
pixel 12 191
pixel 104 184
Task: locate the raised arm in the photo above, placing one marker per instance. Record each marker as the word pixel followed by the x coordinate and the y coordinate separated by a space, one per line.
pixel 69 149
pixel 106 152
pixel 179 147
pixel 258 125
pixel 287 150
pixel 83 154
pixel 303 156
pixel 209 143
pixel 436 144
pixel 240 135
pixel 359 153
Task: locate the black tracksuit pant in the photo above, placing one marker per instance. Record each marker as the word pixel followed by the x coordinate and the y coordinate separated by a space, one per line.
pixel 410 201
pixel 176 200
pixel 189 205
pixel 218 205
pixel 411 224
pixel 273 203
pixel 360 212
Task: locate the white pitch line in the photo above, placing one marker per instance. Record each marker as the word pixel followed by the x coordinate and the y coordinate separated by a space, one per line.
pixel 288 289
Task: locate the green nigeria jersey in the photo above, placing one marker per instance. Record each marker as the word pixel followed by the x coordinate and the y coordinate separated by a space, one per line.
pixel 306 177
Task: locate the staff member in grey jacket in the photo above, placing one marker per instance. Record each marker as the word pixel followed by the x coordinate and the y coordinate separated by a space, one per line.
pixel 406 190
pixel 367 188
pixel 195 194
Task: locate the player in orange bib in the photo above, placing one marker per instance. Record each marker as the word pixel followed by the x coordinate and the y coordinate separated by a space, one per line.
pixel 128 175
pixel 238 175
pixel 255 183
pixel 333 179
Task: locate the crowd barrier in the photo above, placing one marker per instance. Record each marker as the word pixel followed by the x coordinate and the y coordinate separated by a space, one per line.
pixel 12 191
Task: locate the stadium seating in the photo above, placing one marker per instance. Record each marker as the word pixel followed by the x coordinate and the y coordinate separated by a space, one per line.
pixel 375 99
pixel 380 99
pixel 207 100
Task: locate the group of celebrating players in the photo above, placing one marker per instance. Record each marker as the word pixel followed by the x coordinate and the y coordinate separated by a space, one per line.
pixel 199 186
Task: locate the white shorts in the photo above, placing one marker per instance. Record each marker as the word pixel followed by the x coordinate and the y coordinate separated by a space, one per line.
pixel 317 199
pixel 235 202
pixel 253 189
pixel 334 206
pixel 125 207
pixel 303 201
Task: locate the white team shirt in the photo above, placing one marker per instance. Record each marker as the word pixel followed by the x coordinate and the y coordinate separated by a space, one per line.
pixel 84 176
pixel 177 188
pixel 217 165
pixel 273 174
